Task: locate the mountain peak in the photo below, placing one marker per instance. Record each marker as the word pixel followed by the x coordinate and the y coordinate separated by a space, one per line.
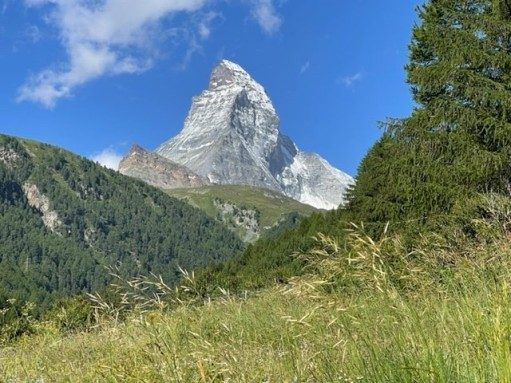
pixel 231 65
pixel 135 148
pixel 228 73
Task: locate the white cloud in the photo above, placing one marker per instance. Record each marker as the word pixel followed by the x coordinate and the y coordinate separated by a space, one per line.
pixel 101 37
pixel 265 14
pixel 348 81
pixel 305 67
pixel 204 24
pixel 108 158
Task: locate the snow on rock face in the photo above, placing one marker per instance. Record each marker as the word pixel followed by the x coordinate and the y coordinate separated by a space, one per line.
pixel 231 136
pixel 312 180
pixel 230 133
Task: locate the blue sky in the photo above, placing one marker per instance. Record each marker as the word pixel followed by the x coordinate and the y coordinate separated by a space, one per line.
pixel 98 75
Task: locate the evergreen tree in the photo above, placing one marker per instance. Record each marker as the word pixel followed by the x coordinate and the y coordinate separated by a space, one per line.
pixel 457 142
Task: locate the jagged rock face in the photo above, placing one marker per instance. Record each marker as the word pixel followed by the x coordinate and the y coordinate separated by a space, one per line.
pixel 312 180
pixel 231 136
pixel 230 133
pixel 8 156
pixel 158 171
pixel 40 202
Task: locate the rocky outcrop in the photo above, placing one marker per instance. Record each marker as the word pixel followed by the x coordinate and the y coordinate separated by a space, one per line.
pixel 158 171
pixel 237 218
pixel 8 156
pixel 40 202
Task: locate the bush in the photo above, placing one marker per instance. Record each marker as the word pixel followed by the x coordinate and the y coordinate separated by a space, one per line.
pixel 16 320
pixel 72 314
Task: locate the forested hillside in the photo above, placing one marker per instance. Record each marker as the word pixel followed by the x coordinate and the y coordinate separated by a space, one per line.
pixel 64 220
pixel 272 259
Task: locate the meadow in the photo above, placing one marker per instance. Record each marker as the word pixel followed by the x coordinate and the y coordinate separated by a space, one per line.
pixel 365 311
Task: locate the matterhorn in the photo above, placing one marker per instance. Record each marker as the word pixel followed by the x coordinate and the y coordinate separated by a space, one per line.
pixel 231 136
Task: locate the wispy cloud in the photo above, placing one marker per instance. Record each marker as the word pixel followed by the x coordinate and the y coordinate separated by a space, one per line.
pixel 197 34
pixel 305 67
pixel 101 37
pixel 266 15
pixel 205 22
pixel 350 80
pixel 5 5
pixel 108 158
pixel 33 34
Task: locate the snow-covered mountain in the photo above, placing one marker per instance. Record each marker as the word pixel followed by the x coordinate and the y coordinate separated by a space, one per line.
pixel 231 136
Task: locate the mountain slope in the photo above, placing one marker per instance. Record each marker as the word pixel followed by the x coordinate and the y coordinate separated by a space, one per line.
pixel 157 170
pixel 64 219
pixel 231 136
pixel 247 210
pixel 271 258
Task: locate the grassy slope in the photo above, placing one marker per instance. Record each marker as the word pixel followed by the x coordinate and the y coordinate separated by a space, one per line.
pixel 456 330
pixel 278 338
pixel 272 206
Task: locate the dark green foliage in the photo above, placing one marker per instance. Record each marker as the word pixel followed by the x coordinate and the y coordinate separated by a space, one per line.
pixel 457 142
pixel 289 222
pixel 271 259
pixel 16 319
pixel 71 314
pixel 106 220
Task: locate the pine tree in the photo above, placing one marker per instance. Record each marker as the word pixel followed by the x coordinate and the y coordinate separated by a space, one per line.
pixel 457 141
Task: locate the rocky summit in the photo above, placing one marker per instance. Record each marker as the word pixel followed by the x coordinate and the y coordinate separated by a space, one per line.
pixel 231 136
pixel 158 171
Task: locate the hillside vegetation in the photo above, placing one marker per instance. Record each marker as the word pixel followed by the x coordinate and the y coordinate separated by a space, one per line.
pixel 271 259
pixel 64 220
pixel 251 212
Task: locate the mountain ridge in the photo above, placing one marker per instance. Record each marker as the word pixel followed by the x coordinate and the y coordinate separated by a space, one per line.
pixel 158 171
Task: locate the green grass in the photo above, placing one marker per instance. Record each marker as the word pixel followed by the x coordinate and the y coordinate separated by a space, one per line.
pixel 450 324
pixel 279 338
pixel 272 206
